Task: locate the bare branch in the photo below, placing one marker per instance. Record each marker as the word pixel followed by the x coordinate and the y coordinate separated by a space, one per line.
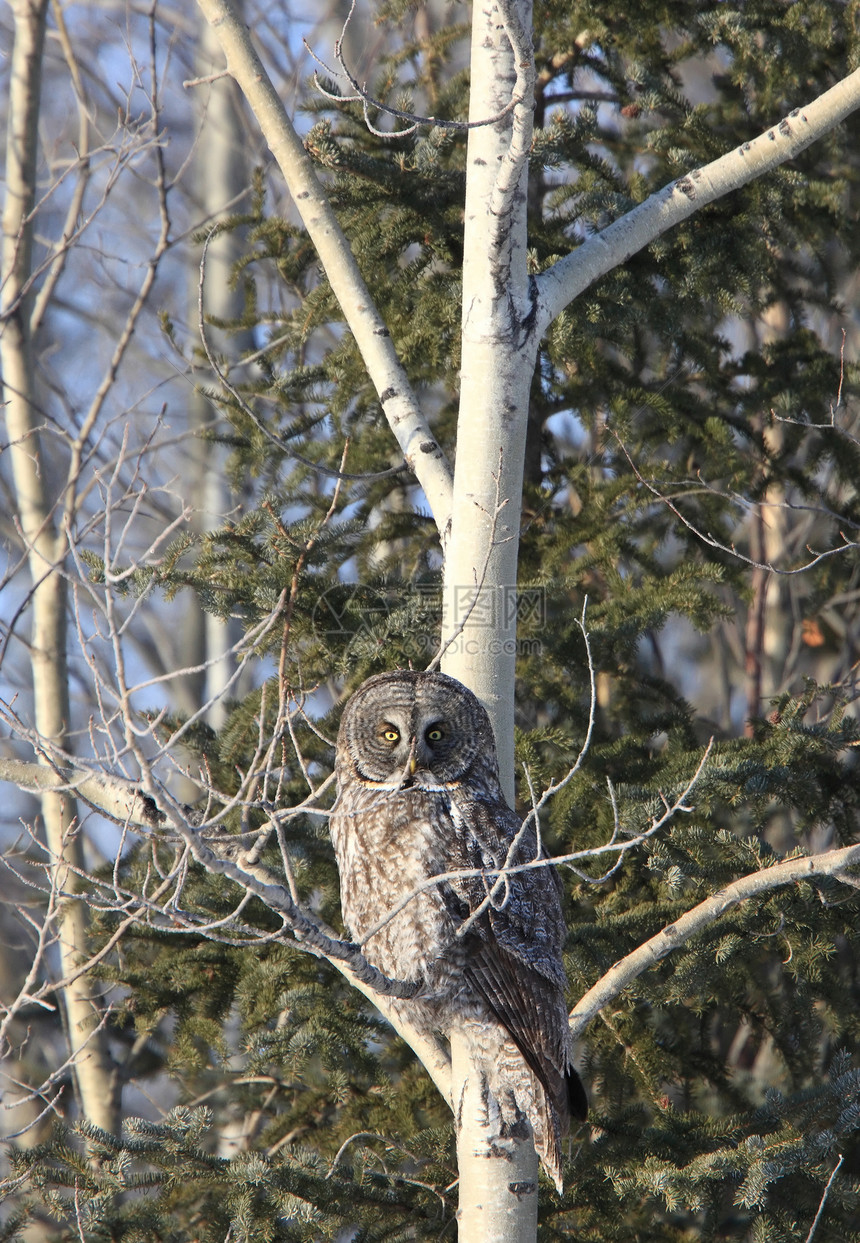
pixel 225 854
pixel 541 860
pixel 677 934
pixel 713 542
pixel 361 93
pixel 823 1200
pixel 45 549
pixel 567 278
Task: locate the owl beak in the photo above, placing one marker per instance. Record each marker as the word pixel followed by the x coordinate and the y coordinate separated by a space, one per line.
pixel 409 768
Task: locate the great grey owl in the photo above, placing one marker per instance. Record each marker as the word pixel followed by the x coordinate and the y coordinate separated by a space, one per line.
pixel 418 795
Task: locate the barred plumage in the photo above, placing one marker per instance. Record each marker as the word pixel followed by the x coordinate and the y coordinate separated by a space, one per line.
pixel 419 796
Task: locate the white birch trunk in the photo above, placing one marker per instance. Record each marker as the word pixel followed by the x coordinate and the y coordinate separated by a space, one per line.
pixel 45 546
pixel 498 1194
pixel 498 1198
pixel 498 353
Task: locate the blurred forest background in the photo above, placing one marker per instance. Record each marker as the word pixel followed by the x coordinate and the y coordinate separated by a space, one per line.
pixel 692 469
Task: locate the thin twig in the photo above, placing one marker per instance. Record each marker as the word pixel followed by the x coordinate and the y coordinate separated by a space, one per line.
pixel 824 1196
pixel 415 119
pixel 277 441
pixel 712 542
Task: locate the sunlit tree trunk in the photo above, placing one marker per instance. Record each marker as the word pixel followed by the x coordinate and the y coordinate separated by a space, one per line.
pixel 497 1189
pixel 222 182
pixel 499 351
pixel 45 543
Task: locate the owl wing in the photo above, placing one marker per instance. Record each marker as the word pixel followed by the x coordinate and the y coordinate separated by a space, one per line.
pixel 514 945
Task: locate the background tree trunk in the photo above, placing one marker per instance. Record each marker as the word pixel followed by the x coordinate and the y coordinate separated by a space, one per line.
pixel 222 184
pixel 44 539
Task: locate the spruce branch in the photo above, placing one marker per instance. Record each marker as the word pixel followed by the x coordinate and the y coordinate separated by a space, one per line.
pixel 831 425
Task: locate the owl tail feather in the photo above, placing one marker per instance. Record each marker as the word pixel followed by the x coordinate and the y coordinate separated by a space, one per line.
pixel 552 1124
pixel 547 1140
pixel 577 1100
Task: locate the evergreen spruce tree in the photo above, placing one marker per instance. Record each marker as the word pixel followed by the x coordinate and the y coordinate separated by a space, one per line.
pixel 687 646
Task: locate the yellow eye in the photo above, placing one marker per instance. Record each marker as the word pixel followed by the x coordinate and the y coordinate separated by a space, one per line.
pixel 390 735
pixel 435 734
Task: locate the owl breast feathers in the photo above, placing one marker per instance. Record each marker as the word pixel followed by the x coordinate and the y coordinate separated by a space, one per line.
pixel 418 796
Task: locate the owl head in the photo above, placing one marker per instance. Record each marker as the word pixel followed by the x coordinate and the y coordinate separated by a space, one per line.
pixel 413 729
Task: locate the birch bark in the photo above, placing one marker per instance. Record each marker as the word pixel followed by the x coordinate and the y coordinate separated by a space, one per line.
pixel 499 348
pixel 45 545
pixel 498 1184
